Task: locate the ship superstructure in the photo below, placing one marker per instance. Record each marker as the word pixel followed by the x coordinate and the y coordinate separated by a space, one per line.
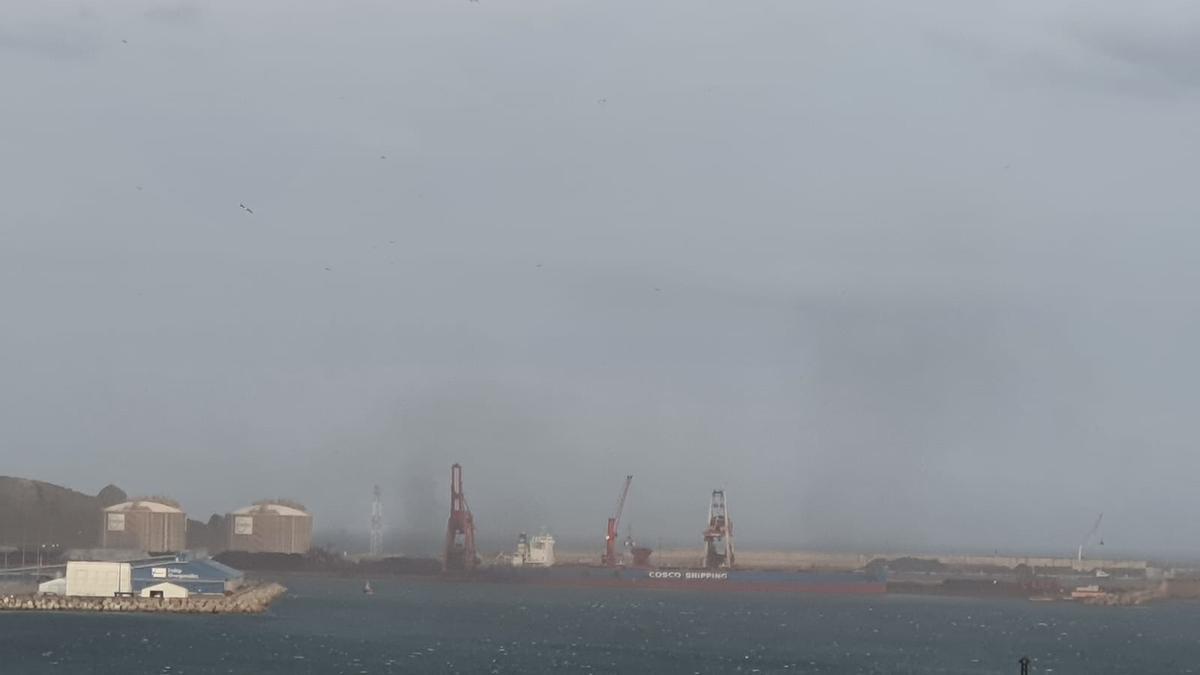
pixel 536 551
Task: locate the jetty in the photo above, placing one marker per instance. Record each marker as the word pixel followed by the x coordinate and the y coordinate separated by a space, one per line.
pixel 253 599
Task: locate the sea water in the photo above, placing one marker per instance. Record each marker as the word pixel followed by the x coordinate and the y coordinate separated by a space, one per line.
pixel 327 625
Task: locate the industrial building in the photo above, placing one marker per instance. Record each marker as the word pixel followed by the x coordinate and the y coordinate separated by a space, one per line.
pixel 53 587
pixel 165 589
pixel 176 577
pixel 270 527
pixel 99 579
pixel 196 577
pixel 154 525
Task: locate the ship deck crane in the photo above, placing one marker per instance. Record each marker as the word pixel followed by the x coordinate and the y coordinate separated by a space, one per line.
pixel 610 557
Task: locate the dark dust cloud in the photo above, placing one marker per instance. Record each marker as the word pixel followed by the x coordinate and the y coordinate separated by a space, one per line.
pixel 894 276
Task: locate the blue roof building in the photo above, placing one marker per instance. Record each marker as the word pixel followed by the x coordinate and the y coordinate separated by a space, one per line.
pixel 197 576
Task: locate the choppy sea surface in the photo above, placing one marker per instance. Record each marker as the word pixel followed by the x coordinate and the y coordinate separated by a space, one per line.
pixel 327 625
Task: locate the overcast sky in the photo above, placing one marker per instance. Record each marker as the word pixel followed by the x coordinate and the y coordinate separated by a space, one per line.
pixel 896 275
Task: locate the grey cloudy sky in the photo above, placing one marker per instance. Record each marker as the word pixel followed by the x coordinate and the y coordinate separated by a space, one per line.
pixel 895 274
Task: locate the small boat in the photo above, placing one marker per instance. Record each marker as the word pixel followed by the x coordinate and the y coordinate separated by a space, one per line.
pixel 1092 592
pixel 367 590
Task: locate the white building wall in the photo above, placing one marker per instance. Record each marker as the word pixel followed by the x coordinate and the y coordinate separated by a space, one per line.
pixel 169 590
pixel 98 579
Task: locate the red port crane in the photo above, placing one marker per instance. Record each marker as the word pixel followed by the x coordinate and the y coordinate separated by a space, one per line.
pixel 459 553
pixel 610 558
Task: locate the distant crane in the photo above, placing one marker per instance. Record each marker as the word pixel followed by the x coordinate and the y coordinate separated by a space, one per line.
pixel 610 557
pixel 459 553
pixel 718 536
pixel 1087 538
pixel 377 525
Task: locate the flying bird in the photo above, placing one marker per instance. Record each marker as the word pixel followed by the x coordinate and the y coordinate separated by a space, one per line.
pixel 124 42
pixel 247 209
pixel 601 101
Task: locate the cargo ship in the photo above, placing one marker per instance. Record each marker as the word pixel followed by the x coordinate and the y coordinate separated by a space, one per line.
pixel 698 579
pixel 534 563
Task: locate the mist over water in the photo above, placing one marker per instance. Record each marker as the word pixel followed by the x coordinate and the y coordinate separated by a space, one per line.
pixel 894 279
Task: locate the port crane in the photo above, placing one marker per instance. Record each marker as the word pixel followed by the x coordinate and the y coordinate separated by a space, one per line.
pixel 1087 538
pixel 610 557
pixel 718 536
pixel 459 552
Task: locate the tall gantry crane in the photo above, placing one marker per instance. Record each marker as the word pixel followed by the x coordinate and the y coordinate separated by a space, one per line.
pixel 610 557
pixel 459 553
pixel 718 536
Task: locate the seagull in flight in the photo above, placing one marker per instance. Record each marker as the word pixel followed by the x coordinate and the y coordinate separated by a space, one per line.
pixel 247 209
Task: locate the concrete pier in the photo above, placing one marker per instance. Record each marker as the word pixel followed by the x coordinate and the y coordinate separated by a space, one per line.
pixel 762 559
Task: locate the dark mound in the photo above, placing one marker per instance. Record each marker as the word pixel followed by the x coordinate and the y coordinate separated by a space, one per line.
pixel 33 513
pixel 318 560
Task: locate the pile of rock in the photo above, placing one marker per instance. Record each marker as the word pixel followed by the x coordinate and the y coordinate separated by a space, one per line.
pixel 249 600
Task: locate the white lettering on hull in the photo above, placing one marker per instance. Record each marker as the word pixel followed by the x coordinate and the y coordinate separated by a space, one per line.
pixel 688 576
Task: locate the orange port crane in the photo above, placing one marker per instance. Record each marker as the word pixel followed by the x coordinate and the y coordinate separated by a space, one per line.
pixel 610 558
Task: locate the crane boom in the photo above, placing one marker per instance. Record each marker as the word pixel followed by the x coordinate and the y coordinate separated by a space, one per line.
pixel 610 536
pixel 621 501
pixel 1087 538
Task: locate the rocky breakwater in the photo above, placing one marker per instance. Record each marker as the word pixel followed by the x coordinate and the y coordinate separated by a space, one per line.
pixel 249 600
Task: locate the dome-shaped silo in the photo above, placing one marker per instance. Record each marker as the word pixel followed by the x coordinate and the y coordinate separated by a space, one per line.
pixel 153 524
pixel 274 526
